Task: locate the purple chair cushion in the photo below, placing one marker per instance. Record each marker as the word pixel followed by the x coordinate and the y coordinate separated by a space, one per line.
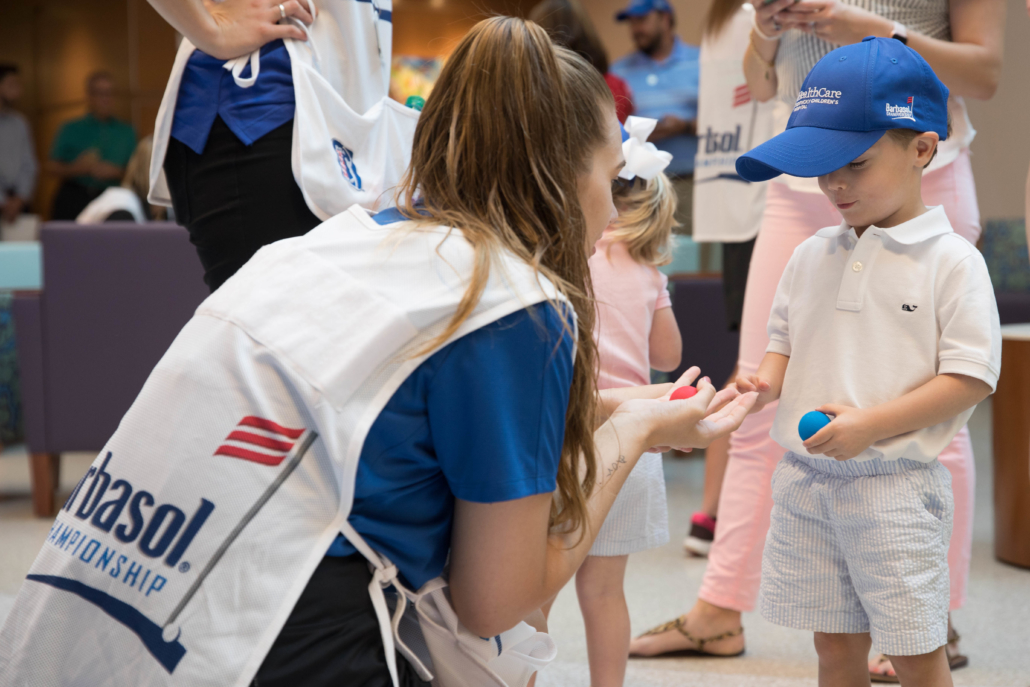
pixel 114 298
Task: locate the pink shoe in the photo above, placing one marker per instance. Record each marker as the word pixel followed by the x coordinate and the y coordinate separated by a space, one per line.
pixel 702 532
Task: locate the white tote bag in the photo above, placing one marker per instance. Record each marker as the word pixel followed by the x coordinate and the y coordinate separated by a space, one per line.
pixel 351 143
pixel 342 157
pixel 181 553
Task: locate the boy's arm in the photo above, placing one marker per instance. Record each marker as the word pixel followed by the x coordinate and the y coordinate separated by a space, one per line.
pixel 768 381
pixel 853 430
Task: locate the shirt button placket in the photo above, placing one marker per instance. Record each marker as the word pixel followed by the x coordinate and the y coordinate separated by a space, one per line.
pixel 853 282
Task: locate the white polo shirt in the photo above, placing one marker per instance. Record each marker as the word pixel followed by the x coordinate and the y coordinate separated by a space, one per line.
pixel 866 320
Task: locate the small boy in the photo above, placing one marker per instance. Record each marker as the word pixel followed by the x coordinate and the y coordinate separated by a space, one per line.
pixel 888 323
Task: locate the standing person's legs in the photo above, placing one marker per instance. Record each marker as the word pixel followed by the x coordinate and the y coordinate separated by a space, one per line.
pixel 602 599
pixel 733 574
pixel 736 260
pixel 234 198
pixel 954 188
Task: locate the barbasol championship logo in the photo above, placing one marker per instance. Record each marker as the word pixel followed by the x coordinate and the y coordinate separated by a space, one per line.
pixel 345 157
pixel 902 111
pixel 814 95
pixel 128 544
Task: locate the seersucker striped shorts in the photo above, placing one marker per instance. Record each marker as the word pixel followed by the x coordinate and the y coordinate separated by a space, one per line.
pixel 860 547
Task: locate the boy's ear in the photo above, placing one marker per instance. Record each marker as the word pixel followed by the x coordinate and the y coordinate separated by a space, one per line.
pixel 925 146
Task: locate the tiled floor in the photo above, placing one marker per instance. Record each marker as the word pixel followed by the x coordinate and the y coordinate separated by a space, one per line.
pixel 661 583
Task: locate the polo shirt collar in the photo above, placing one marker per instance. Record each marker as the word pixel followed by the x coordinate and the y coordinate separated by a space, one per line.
pixel 933 222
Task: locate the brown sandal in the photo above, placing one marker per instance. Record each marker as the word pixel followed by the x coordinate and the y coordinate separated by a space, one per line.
pixel 955 661
pixel 699 652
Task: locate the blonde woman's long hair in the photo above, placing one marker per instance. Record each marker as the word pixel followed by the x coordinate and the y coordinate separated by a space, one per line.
pixel 647 215
pixel 511 123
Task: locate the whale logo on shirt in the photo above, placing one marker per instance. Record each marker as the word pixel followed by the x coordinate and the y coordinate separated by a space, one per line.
pixel 909 308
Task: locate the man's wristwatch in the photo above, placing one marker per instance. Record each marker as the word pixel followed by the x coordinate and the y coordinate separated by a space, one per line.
pixel 900 33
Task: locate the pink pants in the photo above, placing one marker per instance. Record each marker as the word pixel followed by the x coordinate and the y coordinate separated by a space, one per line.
pixel 735 562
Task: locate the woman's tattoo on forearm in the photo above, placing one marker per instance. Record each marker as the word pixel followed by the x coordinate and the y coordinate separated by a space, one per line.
pixel 616 464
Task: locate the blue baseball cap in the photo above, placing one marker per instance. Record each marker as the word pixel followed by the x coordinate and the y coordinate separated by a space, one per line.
pixel 638 8
pixel 848 101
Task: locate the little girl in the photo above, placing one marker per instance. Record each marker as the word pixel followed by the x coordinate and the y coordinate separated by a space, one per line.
pixel 636 331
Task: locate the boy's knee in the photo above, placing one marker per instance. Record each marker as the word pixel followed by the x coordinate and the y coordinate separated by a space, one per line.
pixel 837 647
pixel 919 662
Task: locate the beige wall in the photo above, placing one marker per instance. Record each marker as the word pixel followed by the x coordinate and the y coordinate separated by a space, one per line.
pixel 1001 151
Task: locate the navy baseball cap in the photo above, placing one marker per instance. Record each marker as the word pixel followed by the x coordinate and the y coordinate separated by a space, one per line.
pixel 638 8
pixel 848 101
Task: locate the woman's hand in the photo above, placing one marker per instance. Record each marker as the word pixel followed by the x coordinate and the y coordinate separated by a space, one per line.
pixel 234 27
pixel 851 432
pixel 690 423
pixel 608 400
pixel 773 18
pixel 242 26
pixel 837 23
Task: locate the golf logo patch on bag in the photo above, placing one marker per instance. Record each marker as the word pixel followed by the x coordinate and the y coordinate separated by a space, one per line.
pixel 345 157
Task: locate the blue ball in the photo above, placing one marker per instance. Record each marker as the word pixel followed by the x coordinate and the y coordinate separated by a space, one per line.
pixel 811 423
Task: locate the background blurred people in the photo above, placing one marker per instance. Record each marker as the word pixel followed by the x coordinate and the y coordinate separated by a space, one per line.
pixel 127 202
pixel 568 24
pixel 90 153
pixel 663 76
pixel 18 166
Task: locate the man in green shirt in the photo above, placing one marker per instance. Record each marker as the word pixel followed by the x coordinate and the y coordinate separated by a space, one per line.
pixel 90 153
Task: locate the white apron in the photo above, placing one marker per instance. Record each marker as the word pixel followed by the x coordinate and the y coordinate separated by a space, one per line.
pixel 351 143
pixel 729 123
pixel 180 555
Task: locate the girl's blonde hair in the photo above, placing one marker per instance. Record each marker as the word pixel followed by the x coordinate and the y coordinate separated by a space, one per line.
pixel 510 125
pixel 647 215
pixel 137 175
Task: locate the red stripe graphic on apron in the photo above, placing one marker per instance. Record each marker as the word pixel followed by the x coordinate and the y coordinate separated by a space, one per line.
pixel 245 442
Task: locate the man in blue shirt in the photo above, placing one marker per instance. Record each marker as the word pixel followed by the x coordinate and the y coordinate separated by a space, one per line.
pixel 663 75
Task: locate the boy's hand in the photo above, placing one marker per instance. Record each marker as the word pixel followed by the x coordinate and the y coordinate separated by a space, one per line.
pixel 849 433
pixel 748 383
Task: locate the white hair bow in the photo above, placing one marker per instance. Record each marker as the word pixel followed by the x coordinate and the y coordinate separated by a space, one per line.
pixel 643 159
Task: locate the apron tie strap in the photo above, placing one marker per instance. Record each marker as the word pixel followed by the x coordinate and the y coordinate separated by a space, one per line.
pixel 236 67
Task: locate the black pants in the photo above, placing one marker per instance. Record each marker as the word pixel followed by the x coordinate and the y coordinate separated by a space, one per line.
pixel 71 199
pixel 235 198
pixel 332 636
pixel 736 260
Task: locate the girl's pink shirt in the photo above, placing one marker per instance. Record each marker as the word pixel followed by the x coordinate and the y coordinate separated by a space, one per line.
pixel 628 295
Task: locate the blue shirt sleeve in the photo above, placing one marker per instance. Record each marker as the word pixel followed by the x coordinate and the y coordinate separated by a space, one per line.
pixel 497 407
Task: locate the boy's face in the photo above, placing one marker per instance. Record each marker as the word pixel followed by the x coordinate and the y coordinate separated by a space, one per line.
pixel 882 185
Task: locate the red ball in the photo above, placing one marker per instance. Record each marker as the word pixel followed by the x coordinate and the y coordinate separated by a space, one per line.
pixel 682 393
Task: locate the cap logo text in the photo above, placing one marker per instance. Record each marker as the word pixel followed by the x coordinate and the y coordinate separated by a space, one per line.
pixel 902 111
pixel 815 95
